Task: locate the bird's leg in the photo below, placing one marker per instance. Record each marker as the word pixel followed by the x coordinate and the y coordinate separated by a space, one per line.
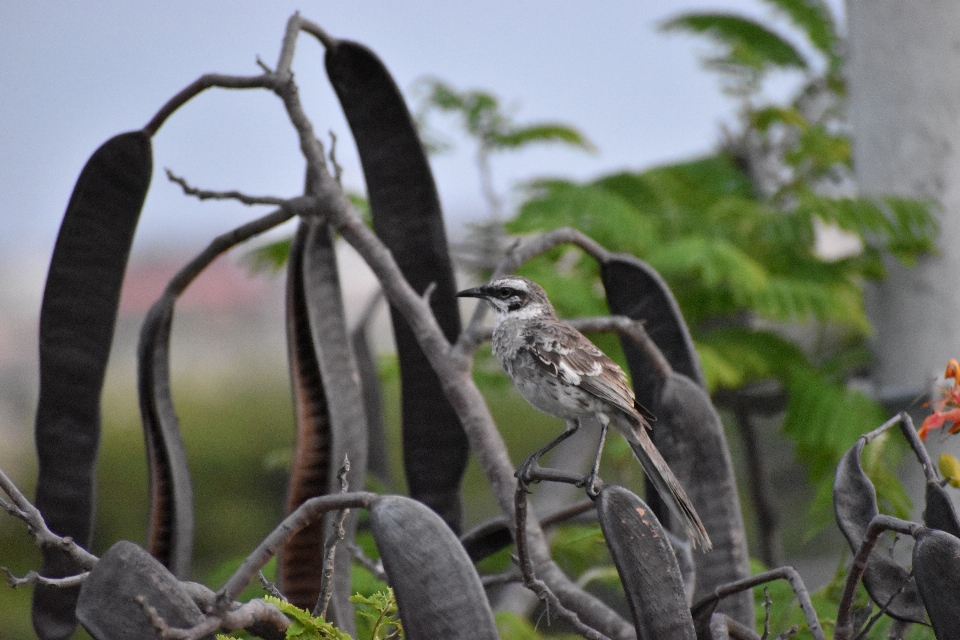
pixel 527 469
pixel 592 482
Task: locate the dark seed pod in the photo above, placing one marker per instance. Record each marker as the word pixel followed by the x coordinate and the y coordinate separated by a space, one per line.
pixel 108 608
pixel 300 561
pixel 689 434
pixel 647 566
pixel 407 218
pixel 939 512
pixel 936 568
pixel 636 290
pixel 76 330
pixel 438 591
pixel 855 505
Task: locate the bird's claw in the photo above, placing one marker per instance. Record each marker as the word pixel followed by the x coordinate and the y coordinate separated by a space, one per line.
pixel 592 484
pixel 525 474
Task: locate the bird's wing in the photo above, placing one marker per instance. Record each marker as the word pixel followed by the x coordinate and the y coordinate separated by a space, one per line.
pixel 570 356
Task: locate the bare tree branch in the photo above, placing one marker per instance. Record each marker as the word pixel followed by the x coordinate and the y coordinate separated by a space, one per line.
pixel 200 85
pixel 249 614
pixel 782 573
pixel 844 628
pixel 203 194
pixel 33 578
pixel 305 514
pixel 23 509
pixel 330 547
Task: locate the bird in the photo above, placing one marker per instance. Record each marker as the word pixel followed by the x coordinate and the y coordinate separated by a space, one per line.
pixel 560 372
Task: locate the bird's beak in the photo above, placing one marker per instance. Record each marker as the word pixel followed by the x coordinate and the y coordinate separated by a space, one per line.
pixel 476 292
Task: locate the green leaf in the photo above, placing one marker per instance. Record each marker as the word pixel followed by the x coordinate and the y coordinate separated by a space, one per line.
pixel 267 259
pixel 516 137
pixel 714 262
pixel 815 19
pixel 802 298
pixel 683 190
pixel 483 120
pixel 818 151
pixel 380 609
pixel 606 217
pixel 734 356
pixel 747 43
pixel 303 626
pixel 764 118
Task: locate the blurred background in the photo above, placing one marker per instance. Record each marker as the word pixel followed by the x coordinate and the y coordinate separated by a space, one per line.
pixel 73 75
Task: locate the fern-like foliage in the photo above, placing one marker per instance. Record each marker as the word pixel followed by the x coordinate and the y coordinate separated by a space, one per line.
pixel 378 609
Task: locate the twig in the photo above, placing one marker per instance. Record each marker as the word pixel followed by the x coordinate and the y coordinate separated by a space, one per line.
pixel 204 194
pixel 789 633
pixel 373 566
pixel 767 603
pixel 23 509
pixel 881 611
pixel 535 584
pixel 330 548
pixel 270 587
pixel 242 616
pixel 200 85
pixel 337 169
pixel 506 577
pixel 782 573
pixel 844 628
pixel 428 292
pixel 892 422
pixel 305 514
pixel 34 578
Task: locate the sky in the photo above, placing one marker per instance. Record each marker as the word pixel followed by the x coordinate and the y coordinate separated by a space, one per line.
pixel 74 74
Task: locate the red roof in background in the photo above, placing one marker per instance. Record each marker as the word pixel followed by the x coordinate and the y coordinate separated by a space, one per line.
pixel 223 286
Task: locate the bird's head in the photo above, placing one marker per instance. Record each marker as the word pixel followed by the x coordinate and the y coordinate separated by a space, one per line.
pixel 513 296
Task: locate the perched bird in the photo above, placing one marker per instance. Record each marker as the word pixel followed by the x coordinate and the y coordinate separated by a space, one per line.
pixel 561 373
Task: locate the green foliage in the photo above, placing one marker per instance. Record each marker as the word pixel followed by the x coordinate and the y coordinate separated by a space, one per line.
pixel 746 43
pixel 483 119
pixel 513 627
pixel 380 610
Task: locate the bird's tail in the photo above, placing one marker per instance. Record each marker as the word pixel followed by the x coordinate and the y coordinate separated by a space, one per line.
pixel 670 491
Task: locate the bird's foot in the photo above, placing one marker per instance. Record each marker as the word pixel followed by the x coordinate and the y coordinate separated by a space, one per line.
pixel 592 484
pixel 528 473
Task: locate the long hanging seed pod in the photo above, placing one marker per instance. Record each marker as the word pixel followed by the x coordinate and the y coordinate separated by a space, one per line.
pixel 76 330
pixel 330 414
pixel 299 568
pixel 855 505
pixel 407 217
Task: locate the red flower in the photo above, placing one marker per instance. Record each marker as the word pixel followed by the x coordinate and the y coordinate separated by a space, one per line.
pixel 948 407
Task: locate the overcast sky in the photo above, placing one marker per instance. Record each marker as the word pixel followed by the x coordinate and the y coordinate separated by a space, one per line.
pixel 73 74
